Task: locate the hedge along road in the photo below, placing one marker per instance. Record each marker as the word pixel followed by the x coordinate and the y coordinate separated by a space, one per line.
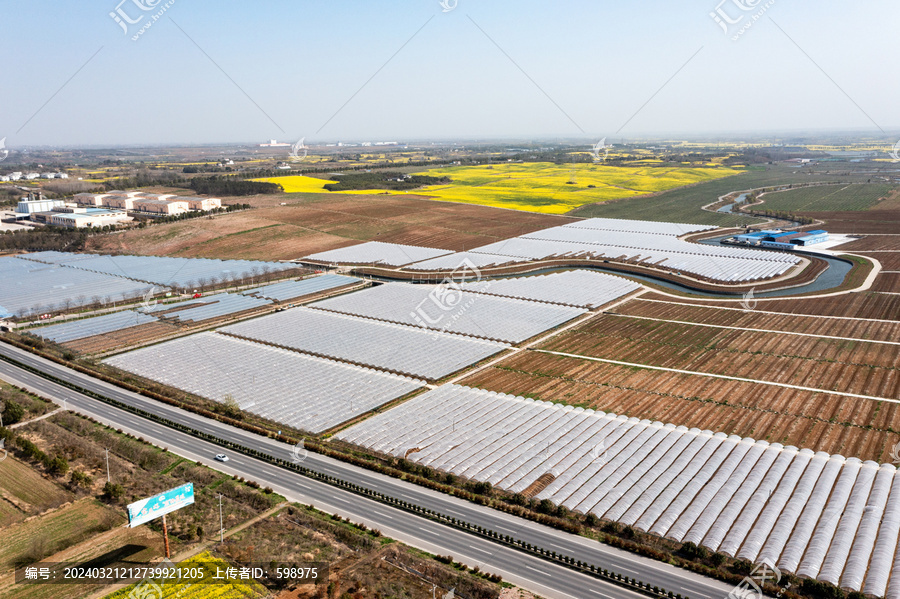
pixel 536 574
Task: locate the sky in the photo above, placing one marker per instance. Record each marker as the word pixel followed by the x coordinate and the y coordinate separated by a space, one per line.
pixel 221 72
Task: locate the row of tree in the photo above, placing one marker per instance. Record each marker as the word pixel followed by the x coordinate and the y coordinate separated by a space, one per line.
pixel 232 186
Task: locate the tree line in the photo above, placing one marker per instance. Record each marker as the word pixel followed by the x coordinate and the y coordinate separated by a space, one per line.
pixel 384 180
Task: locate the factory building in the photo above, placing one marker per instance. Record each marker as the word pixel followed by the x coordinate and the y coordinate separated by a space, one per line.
pixel 780 240
pixel 37 204
pixel 811 237
pixel 78 217
pixel 754 237
pixel 90 199
pixel 148 203
pixel 166 207
pixel 790 240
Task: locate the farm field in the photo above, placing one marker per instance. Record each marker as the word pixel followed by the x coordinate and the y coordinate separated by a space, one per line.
pixel 850 197
pixel 536 186
pixel 834 365
pixel 820 421
pixel 298 183
pixel 70 524
pixel 880 221
pixel 26 493
pixel 195 590
pixel 873 242
pixel 756 319
pixel 888 260
pixel 684 204
pixel 867 304
pixel 123 338
pixel 323 222
pixel 559 188
pixel 887 283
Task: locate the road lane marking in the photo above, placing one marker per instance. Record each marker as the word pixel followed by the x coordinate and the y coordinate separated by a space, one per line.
pixel 437 534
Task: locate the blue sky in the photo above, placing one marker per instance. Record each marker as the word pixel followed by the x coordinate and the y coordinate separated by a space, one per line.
pixel 503 69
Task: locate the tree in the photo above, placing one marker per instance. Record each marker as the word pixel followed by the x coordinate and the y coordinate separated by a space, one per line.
pixel 230 407
pixel 79 478
pixel 12 413
pixel 58 465
pixel 113 492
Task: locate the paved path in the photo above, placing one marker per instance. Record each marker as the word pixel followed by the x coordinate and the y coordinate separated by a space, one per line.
pixel 47 415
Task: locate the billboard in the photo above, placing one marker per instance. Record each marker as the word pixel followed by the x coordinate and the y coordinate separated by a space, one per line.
pixel 141 512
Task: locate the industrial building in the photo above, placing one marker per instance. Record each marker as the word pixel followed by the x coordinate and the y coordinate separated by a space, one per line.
pixel 754 237
pixel 37 203
pixel 155 206
pixel 77 217
pixel 148 203
pixel 783 240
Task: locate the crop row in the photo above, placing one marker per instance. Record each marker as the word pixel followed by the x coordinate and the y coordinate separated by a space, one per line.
pixel 835 365
pixel 734 316
pixel 823 422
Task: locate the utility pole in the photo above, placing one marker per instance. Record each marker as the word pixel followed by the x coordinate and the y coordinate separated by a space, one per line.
pixel 166 536
pixel 221 522
pixel 107 464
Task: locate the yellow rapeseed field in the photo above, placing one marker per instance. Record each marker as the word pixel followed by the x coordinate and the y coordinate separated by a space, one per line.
pixel 298 183
pixel 558 188
pixel 539 186
pixel 193 590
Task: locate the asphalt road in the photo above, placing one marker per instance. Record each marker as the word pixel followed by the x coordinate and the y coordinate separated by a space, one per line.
pixel 538 575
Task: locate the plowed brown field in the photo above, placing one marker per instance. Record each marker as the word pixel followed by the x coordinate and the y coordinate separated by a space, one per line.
pixel 887 283
pixel 852 305
pixel 820 421
pixel 873 242
pixel 882 221
pixel 858 367
pixel 123 337
pixel 755 319
pixel 322 222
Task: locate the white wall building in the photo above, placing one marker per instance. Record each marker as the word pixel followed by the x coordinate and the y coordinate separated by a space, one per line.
pixel 41 205
pixel 167 207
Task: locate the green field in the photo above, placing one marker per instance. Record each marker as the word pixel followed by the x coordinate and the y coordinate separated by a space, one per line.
pixel 66 526
pixel 826 198
pixel 684 205
pixel 26 489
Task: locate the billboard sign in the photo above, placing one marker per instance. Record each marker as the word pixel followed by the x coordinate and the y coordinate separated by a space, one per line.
pixel 145 510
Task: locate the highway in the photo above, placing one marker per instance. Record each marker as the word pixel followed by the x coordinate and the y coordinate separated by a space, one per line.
pixel 535 574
